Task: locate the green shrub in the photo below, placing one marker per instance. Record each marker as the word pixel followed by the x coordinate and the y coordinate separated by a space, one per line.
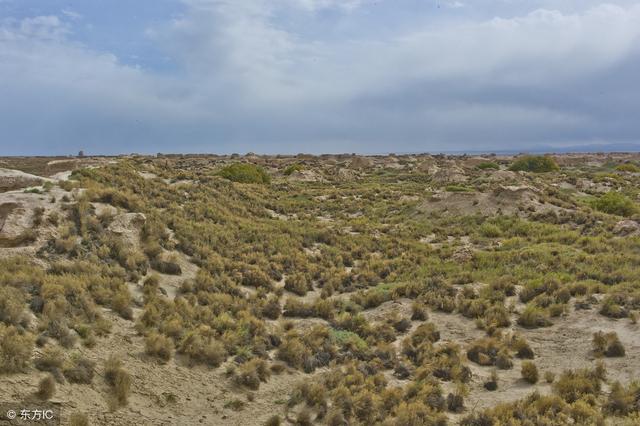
pixel 245 173
pixel 535 164
pixel 457 188
pixel 628 167
pixel 615 203
pixel 488 165
pixel 293 168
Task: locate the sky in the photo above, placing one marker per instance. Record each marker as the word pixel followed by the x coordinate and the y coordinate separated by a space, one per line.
pixel 316 76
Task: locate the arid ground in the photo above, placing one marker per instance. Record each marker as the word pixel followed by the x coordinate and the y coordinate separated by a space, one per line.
pixel 334 289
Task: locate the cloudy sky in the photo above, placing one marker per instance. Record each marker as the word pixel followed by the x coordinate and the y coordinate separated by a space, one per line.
pixel 268 76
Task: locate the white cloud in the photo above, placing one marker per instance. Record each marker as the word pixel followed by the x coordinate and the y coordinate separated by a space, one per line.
pixel 248 77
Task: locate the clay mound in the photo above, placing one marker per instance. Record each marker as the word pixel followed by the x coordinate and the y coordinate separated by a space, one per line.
pixel 503 200
pixel 10 180
pixel 451 174
pixel 305 176
pixel 127 226
pixel 346 175
pixel 627 228
pixel 360 163
pixel 503 176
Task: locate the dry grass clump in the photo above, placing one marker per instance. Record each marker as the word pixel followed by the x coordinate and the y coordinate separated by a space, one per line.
pixel 51 359
pixel 12 302
pixel 15 349
pixel 314 348
pixel 490 351
pixel 298 284
pixel 529 372
pixel 78 419
pixel 46 387
pixel 119 379
pixel 80 370
pixel 251 373
pixel 607 344
pixel 201 348
pixel 274 420
pixel 534 317
pixel 159 346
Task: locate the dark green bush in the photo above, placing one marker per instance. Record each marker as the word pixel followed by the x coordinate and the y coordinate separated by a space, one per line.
pixel 615 203
pixel 535 164
pixel 245 173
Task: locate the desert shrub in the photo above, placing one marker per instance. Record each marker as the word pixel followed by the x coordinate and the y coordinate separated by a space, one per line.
pixel 607 344
pixel 573 385
pixel 492 383
pixel 293 168
pixel 46 387
pixel 254 277
pixel 12 302
pixel 535 164
pixel 15 349
pixel 418 312
pixel 245 173
pixel 503 360
pixel 274 420
pixel 628 167
pixel 485 351
pixel 159 346
pixel 81 370
pixel 488 165
pixel 615 203
pixel 533 317
pixel 202 348
pixel 489 230
pixel 297 283
pixel 529 372
pixel 611 306
pixel 271 308
pixel 426 332
pixel 549 376
pixel 251 373
pixel 78 419
pixel 51 359
pixel 622 401
pixel 303 418
pixel 522 348
pixel 455 402
pixel 169 267
pixel 296 308
pixel 118 379
pixel 416 413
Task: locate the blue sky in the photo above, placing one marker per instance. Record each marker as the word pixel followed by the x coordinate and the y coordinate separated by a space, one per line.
pixel 289 76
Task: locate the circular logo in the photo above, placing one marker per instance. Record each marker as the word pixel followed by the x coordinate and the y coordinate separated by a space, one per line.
pixel 11 414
